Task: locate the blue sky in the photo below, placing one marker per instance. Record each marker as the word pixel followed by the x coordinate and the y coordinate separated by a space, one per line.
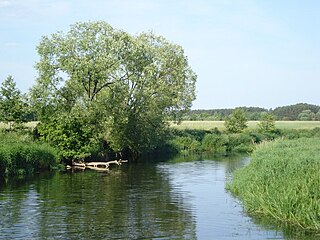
pixel 262 53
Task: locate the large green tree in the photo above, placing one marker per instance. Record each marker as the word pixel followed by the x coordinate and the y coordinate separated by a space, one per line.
pixel 160 84
pixel 129 84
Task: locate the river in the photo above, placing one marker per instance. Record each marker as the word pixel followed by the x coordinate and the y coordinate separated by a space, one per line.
pixel 175 199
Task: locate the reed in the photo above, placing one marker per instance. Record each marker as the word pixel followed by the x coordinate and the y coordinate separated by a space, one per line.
pixel 282 182
pixel 20 156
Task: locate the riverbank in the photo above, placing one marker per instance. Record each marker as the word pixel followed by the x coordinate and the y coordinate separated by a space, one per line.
pixel 187 141
pixel 282 182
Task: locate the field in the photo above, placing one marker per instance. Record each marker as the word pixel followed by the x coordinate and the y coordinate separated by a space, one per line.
pixel 28 124
pixel 207 125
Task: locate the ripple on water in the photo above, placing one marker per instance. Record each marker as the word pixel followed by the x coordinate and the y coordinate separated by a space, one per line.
pixel 185 200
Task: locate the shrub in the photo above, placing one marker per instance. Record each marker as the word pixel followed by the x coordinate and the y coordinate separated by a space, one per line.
pixel 240 142
pixel 215 143
pixel 75 136
pixel 186 144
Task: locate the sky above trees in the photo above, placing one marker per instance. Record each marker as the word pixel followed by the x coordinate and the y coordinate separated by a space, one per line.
pixel 245 53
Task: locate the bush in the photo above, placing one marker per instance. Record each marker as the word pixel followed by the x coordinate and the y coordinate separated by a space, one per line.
pixel 185 144
pixel 240 142
pixel 74 136
pixel 215 143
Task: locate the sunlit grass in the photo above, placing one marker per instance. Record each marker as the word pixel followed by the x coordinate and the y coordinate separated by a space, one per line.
pixel 297 124
pixel 31 124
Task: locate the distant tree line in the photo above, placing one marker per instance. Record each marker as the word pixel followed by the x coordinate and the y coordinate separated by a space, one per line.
pixel 300 111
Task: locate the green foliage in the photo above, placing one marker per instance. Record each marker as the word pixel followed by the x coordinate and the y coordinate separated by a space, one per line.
pixel 236 122
pixel 215 143
pixel 318 115
pixel 307 115
pixel 240 142
pixel 300 133
pixel 267 123
pixel 186 141
pixel 75 135
pixel 282 182
pixel 18 155
pixel 186 144
pixel 12 102
pixel 193 133
pixel 131 84
pixel 291 112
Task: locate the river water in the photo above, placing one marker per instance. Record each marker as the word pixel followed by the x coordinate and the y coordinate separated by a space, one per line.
pixel 175 199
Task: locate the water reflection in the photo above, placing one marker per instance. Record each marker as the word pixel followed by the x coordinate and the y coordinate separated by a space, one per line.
pixel 135 202
pixel 183 198
pixel 219 215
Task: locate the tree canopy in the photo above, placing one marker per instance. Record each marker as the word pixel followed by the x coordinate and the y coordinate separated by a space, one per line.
pixel 236 122
pixel 12 102
pixel 292 112
pixel 125 86
pixel 307 115
pixel 267 123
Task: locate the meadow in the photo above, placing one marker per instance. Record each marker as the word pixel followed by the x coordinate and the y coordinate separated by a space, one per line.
pixel 207 125
pixel 30 125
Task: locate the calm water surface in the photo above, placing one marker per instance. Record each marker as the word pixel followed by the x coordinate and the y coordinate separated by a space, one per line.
pixel 177 199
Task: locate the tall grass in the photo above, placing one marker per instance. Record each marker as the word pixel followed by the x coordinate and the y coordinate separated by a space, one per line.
pixel 283 182
pixel 19 155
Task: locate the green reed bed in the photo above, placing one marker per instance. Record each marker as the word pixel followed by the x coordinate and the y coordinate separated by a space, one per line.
pixel 283 182
pixel 19 155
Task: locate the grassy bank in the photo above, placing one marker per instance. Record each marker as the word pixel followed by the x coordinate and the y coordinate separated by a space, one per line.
pixel 221 142
pixel 282 182
pixel 207 125
pixel 20 156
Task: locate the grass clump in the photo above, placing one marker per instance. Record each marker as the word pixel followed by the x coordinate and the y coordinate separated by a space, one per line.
pixel 21 156
pixel 282 182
